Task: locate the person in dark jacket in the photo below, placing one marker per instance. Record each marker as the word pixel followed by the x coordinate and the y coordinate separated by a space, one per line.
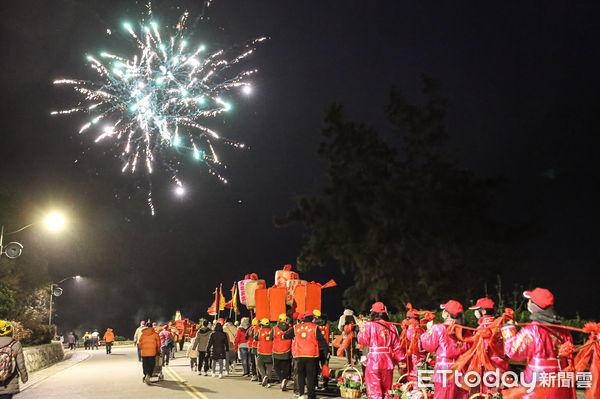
pixel 218 345
pixel 10 386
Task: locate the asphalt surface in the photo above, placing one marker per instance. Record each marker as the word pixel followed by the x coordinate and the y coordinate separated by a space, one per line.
pixel 95 375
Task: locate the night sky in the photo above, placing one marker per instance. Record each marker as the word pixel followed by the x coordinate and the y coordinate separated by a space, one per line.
pixel 523 84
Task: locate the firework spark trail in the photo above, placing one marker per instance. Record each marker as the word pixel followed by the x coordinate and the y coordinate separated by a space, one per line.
pixel 154 103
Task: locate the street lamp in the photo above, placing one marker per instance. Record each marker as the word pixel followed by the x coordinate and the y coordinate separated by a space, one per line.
pixel 54 221
pixel 13 250
pixel 55 290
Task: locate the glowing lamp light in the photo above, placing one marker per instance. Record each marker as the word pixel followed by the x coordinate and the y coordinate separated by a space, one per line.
pixel 78 277
pixel 247 90
pixel 54 221
pixel 179 190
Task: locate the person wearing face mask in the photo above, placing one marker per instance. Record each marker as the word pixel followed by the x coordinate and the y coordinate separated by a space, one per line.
pixel 446 348
pixel 412 330
pixel 484 312
pixel 539 344
pixel 241 346
pixel 384 351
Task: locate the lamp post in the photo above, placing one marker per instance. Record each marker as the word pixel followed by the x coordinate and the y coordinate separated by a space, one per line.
pixel 58 293
pixel 14 249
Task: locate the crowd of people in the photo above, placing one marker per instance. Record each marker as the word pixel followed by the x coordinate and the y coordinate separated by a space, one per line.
pixel 92 341
pixel 298 348
pixel 543 343
pixel 295 347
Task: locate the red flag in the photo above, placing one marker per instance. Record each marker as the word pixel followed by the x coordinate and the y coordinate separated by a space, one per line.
pixel 213 308
pixel 329 284
pixel 233 302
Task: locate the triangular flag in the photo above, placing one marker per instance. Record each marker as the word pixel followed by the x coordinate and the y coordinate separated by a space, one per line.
pixel 221 298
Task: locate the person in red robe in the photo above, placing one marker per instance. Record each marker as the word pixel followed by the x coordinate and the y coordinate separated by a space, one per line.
pixel 446 348
pixel 539 344
pixel 411 333
pixel 384 351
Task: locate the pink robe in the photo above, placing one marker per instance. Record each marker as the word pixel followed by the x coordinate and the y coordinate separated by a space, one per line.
pixel 416 358
pixel 539 346
pixel 446 349
pixel 384 352
pixel 495 345
pixel 495 350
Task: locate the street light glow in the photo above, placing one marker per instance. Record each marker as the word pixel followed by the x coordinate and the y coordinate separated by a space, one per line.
pixel 77 277
pixel 179 191
pixel 55 221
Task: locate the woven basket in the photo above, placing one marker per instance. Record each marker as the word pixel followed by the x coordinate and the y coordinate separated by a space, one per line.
pixel 409 385
pixel 347 392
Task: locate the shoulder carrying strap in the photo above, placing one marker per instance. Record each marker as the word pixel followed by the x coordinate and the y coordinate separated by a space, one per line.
pixel 10 344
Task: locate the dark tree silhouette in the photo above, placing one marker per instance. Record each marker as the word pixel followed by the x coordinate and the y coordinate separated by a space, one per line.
pixel 400 215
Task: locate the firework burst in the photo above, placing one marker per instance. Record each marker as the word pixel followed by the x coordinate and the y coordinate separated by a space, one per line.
pixel 153 103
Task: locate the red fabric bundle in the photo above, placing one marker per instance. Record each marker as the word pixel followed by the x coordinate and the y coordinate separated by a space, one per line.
pixel 590 354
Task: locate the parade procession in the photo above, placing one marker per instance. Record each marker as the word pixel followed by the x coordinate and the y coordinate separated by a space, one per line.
pixel 271 199
pixel 287 341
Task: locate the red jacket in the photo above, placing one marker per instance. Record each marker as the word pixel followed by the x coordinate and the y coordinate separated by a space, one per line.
pixel 240 338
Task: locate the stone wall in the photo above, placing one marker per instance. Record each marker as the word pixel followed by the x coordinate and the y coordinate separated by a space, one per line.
pixel 38 357
pixel 123 343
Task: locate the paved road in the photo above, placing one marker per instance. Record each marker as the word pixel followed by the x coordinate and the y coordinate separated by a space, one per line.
pixel 95 375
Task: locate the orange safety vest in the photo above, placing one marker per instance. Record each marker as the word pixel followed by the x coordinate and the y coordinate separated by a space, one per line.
pixel 325 331
pixel 265 344
pixel 280 345
pixel 251 341
pixel 305 335
pixel 294 344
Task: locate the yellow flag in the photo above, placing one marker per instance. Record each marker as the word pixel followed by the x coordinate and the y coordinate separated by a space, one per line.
pixel 221 298
pixel 234 298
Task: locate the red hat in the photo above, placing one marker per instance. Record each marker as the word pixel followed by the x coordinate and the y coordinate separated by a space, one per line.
pixel 412 313
pixel 378 307
pixel 541 297
pixel 142 323
pixel 154 324
pixel 483 303
pixel 453 307
pixel 295 315
pixel 307 315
